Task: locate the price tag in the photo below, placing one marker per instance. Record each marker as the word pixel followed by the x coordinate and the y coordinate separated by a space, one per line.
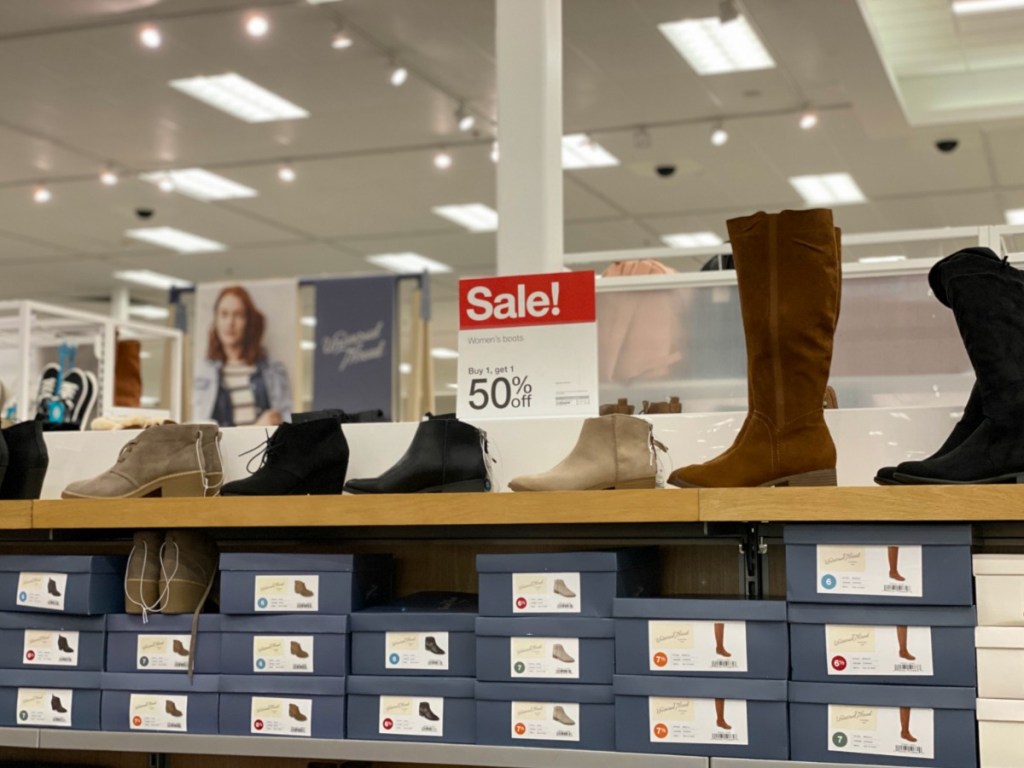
pixel 527 346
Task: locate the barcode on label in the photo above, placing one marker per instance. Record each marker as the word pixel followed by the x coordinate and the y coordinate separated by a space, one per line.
pixel 723 737
pixel 896 588
pixel 907 668
pixel 909 749
pixel 724 664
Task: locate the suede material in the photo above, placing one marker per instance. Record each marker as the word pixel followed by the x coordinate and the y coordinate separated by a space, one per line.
pixel 609 450
pixel 788 273
pixel 980 257
pixel 128 374
pixel 188 564
pixel 23 452
pixel 142 579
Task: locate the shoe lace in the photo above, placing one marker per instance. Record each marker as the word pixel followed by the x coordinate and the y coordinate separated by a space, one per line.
pixel 126 449
pixel 141 602
pixel 267 450
pixel 207 485
pixel 68 390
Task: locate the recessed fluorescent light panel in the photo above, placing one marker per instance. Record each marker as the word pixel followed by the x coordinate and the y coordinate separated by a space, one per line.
pixel 151 279
pixel 443 353
pixel 175 240
pixel 965 7
pixel 1015 216
pixel 476 217
pixel 691 240
pixel 580 151
pixel 828 189
pixel 239 97
pixel 712 47
pixel 408 263
pixel 149 312
pixel 881 259
pixel 200 184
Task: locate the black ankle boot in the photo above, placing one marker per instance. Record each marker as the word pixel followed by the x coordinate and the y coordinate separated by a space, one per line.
pixel 307 458
pixel 26 459
pixel 446 456
pixel 986 295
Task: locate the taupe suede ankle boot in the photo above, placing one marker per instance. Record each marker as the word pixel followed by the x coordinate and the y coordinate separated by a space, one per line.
pixel 165 460
pixel 613 451
pixel 672 406
pixel 142 578
pixel 188 563
pixel 620 406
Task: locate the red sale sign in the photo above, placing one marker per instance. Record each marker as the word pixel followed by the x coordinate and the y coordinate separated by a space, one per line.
pixel 503 302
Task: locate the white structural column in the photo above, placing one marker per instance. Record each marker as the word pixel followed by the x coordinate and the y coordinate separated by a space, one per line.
pixel 529 50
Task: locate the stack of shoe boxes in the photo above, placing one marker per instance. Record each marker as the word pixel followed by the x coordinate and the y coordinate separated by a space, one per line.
pixel 413 668
pixel 881 635
pixel 546 631
pixel 52 639
pixel 701 677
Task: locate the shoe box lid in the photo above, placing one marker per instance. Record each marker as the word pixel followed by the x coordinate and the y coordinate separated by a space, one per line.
pixel 700 687
pixel 291 684
pixel 63 563
pixel 49 678
pixel 312 624
pixel 700 609
pixel 544 627
pixel 556 562
pixel 927 696
pixel 377 685
pixel 158 623
pixel 573 693
pixel 1008 638
pixel 306 563
pixel 420 612
pixel 998 565
pixel 884 615
pixel 59 622
pixel 170 682
pixel 880 533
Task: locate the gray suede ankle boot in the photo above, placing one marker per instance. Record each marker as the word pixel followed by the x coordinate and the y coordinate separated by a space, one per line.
pixel 142 577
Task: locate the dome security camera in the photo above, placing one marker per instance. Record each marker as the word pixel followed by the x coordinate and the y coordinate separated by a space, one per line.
pixel 144 213
pixel 665 171
pixel 945 146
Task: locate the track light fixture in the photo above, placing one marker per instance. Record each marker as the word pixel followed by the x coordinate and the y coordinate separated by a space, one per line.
pixel 41 194
pixel 150 37
pixel 286 173
pixel 465 119
pixel 719 136
pixel 808 120
pixel 342 39
pixel 257 25
pixel 494 151
pixel 109 177
pixel 442 160
pixel 399 74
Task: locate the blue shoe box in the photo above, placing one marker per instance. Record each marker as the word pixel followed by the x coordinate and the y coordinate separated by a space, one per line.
pixel 545 715
pixel 283 705
pixel 883 724
pixel 565 583
pixel 704 716
pixel 879 564
pixel 262 583
pixel 167 702
pixel 434 709
pixel 891 645
pixel 51 642
pixel 163 643
pixel 86 585
pixel 701 638
pixel 535 650
pixel 429 633
pixel 284 645
pixel 50 699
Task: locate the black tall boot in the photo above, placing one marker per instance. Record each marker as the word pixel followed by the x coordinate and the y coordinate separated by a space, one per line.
pixel 986 295
pixel 446 456
pixel 307 458
pixel 26 459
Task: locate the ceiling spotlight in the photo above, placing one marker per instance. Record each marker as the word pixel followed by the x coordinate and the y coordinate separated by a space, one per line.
pixel 341 40
pixel 494 152
pixel 808 120
pixel 166 183
pixel 286 174
pixel 442 161
pixel 719 135
pixel 465 119
pixel 150 36
pixel 257 25
pixel 399 75
pixel 108 177
pixel 41 194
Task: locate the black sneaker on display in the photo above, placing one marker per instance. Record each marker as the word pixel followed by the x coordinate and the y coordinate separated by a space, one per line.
pixel 47 391
pixel 78 392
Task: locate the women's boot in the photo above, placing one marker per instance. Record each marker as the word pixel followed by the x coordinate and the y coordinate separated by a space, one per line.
pixel 142 577
pixel 27 461
pixel 188 564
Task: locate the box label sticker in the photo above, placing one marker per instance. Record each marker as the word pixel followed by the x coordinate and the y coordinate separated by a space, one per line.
pixel 697 646
pixel 158 712
pixel 286 593
pixel 282 653
pixel 42 590
pixel 416 650
pixel 272 716
pixel 546 593
pixel 44 707
pixel 162 652
pixel 901 651
pixel 698 721
pixel 547 657
pixel 545 721
pixel 408 716
pixel 887 731
pixel 874 570
pixel 50 647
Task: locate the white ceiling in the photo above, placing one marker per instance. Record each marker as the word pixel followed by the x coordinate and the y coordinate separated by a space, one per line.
pixel 79 92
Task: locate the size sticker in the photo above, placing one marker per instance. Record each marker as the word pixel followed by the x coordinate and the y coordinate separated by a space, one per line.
pixel 50 647
pixel 405 716
pixel 546 593
pixel 416 650
pixel 547 657
pixel 44 706
pixel 42 590
pixel 545 721
pixel 697 646
pixel 286 593
pixel 698 721
pixel 875 570
pixel 158 712
pixel 888 731
pixel 901 651
pixel 162 652
pixel 282 653
pixel 281 717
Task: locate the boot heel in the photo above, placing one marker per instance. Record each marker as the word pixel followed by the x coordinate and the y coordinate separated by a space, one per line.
pixel 481 485
pixel 27 484
pixel 180 485
pixel 643 482
pixel 818 477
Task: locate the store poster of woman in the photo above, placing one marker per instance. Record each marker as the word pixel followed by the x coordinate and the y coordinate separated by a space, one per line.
pixel 245 357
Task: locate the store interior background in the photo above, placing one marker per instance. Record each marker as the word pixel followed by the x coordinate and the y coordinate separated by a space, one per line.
pixel 888 79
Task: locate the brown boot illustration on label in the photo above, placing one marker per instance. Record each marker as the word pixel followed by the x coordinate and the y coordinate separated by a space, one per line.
pixel 57 706
pixel 901 637
pixel 296 714
pixel 905 725
pixel 426 712
pixel 172 710
pixel 297 650
pixel 51 587
pixel 720 715
pixel 561 589
pixel 559 653
pixel 894 564
pixel 559 714
pixel 430 643
pixel 302 589
pixel 63 645
pixel 720 641
pixel 179 648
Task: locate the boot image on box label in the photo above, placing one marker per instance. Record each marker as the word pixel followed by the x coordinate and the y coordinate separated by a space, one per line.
pixel 698 721
pixel 546 593
pixel 544 721
pixel 853 651
pixel 50 647
pixel 286 593
pixel 416 650
pixel 162 652
pixel 44 707
pixel 281 717
pixel 697 646
pixel 42 590
pixel 409 716
pixel 889 731
pixel 158 712
pixel 547 657
pixel 893 571
pixel 282 653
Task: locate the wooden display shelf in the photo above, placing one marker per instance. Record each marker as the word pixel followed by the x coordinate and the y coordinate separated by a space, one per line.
pixel 16 515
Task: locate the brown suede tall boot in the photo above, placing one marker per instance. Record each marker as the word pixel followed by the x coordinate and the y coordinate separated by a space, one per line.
pixel 787 270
